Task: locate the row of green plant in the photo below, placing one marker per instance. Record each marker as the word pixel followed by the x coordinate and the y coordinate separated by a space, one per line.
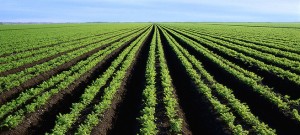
pixel 18 116
pixel 266 49
pixel 52 51
pixel 284 63
pixel 287 64
pixel 35 55
pixel 170 101
pixel 147 118
pixel 224 112
pixel 14 80
pixel 231 64
pixel 281 102
pixel 55 80
pixel 109 92
pixel 241 109
pixel 277 41
pixel 281 73
pixel 65 121
pixel 274 38
pixel 33 39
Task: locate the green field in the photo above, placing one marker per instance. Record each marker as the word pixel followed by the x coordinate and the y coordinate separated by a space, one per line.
pixel 145 78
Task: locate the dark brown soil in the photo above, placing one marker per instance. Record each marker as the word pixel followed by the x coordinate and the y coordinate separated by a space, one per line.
pixel 258 105
pixel 110 122
pixel 161 114
pixel 33 121
pixel 162 120
pixel 198 112
pixel 64 107
pixel 234 42
pixel 279 85
pixel 238 119
pixel 14 92
pixel 89 108
pixel 20 68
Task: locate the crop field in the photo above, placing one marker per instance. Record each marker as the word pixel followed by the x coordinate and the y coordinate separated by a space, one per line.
pixel 144 78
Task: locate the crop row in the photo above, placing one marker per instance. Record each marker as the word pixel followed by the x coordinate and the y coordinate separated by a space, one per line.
pixel 68 77
pixel 110 91
pixel 65 121
pixel 9 64
pixel 170 103
pixel 33 39
pixel 226 94
pixel 13 80
pixel 44 52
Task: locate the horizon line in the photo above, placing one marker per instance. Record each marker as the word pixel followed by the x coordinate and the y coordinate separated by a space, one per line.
pixel 150 22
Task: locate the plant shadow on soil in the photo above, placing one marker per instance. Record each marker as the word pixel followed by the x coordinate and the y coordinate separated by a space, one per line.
pixel 127 112
pixel 279 85
pixel 258 105
pixel 47 120
pixel 199 115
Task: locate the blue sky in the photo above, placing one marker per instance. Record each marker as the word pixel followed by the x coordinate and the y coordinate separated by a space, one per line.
pixel 149 10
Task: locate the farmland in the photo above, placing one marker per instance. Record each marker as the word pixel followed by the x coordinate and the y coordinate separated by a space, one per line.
pixel 143 78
